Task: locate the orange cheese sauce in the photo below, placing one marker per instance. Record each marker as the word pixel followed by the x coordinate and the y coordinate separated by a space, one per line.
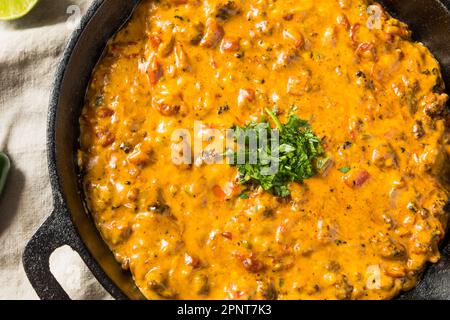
pixel 374 97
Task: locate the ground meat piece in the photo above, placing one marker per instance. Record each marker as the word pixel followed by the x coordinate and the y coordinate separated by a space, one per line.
pixel 384 156
pixel 435 161
pixel 252 264
pixel 388 247
pixel 344 288
pixel 214 33
pixel 285 58
pixel 116 231
pixel 356 179
pixel 168 105
pixel 142 155
pixel 268 290
pixel 196 33
pixel 418 130
pixel 434 105
pixel 104 112
pixel 192 261
pixel 225 11
pixel 181 59
pixel 105 136
pixel 162 290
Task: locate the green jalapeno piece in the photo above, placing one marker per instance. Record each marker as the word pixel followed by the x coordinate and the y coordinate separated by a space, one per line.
pixel 4 169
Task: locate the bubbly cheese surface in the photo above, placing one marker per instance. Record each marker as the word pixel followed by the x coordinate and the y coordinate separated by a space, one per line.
pixel 363 228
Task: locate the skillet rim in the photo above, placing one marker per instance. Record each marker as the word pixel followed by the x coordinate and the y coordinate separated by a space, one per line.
pixel 59 202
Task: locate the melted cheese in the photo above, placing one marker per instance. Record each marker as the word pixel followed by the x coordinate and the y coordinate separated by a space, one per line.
pixel 374 97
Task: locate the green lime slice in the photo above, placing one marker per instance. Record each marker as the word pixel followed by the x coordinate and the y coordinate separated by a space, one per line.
pixel 14 9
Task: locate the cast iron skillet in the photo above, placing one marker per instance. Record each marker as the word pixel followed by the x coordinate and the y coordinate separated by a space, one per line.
pixel 70 224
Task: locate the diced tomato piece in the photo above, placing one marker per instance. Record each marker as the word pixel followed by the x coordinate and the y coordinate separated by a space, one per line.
pixel 154 71
pixel 356 179
pixel 219 193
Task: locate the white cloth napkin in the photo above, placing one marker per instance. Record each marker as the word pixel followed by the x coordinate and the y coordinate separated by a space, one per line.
pixel 30 49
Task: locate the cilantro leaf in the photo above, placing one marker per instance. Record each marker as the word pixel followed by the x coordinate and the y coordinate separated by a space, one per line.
pixel 344 170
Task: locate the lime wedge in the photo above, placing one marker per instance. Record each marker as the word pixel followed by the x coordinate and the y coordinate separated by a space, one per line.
pixel 14 9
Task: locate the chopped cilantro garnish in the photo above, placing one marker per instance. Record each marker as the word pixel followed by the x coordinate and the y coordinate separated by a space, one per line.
pixel 296 153
pixel 344 169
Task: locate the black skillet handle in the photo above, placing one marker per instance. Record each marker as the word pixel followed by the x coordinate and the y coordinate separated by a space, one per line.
pixel 54 233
